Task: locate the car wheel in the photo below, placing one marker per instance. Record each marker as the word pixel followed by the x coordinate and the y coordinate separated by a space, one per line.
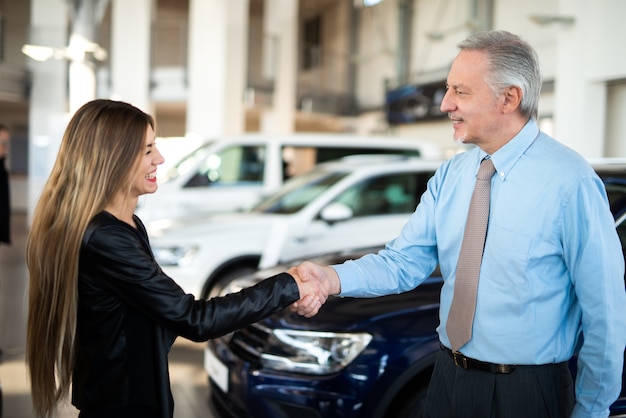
pixel 413 404
pixel 216 287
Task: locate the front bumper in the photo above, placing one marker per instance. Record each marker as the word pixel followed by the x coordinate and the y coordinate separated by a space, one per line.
pixel 241 389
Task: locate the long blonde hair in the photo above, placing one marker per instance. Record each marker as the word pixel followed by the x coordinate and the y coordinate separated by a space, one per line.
pixel 100 149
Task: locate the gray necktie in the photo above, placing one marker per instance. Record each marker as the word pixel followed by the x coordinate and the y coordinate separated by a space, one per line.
pixel 461 317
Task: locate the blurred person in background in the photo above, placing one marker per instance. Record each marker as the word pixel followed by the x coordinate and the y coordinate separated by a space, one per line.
pixel 102 315
pixel 5 197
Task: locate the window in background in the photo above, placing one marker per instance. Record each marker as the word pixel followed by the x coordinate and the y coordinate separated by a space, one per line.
pixel 312 48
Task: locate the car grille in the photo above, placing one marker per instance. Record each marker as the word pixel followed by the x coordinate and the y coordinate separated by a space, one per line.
pixel 250 342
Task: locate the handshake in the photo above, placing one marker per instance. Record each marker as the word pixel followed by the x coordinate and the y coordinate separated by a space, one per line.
pixel 315 284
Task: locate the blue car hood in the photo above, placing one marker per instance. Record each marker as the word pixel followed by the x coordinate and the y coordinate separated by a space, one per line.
pixel 356 314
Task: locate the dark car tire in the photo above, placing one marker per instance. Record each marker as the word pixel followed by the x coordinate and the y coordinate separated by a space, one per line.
pixel 413 404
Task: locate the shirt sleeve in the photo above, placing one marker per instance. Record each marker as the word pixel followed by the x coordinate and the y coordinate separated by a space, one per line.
pixel 121 263
pixel 595 261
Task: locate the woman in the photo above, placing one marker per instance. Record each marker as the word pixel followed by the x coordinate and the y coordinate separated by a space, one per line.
pixel 102 315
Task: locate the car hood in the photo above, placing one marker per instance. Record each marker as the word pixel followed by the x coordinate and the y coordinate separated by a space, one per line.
pixel 354 314
pixel 230 223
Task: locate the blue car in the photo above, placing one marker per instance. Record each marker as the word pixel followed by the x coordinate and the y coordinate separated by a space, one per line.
pixel 356 358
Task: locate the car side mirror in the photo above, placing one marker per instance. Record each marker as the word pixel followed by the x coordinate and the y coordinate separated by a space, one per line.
pixel 336 212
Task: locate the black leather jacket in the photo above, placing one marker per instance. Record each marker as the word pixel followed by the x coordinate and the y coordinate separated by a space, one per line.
pixel 130 313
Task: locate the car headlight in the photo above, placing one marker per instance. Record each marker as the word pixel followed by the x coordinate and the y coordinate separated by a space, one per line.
pixel 313 352
pixel 175 255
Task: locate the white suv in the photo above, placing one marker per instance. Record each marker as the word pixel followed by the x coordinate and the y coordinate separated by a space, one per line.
pixel 358 201
pixel 234 172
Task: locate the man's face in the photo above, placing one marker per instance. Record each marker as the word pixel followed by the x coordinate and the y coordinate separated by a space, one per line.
pixel 470 102
pixel 4 143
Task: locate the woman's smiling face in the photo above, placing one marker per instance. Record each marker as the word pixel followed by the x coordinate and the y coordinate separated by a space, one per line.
pixel 145 180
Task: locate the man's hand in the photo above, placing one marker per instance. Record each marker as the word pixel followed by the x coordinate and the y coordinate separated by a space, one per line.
pixel 312 295
pixel 324 282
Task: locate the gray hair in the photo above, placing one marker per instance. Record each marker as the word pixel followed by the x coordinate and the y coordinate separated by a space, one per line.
pixel 513 62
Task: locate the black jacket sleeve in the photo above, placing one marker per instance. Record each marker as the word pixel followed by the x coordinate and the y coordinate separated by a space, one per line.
pixel 117 258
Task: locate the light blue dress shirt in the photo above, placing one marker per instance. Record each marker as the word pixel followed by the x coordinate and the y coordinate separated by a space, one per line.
pixel 552 271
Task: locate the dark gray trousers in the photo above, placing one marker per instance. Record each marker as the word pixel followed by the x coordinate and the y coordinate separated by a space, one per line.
pixel 545 391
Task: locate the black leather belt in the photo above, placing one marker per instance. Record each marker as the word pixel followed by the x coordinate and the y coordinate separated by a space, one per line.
pixel 469 363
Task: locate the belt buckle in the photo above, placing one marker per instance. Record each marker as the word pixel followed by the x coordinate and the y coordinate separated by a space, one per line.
pixel 504 368
pixel 456 355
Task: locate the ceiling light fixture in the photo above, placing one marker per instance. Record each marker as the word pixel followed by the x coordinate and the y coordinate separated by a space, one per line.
pixel 544 20
pixel 73 52
pixel 359 4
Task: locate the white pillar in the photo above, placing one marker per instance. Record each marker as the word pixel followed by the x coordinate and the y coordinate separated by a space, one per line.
pixel 236 65
pixel 130 52
pixel 586 63
pixel 572 92
pixel 281 25
pixel 82 72
pixel 48 95
pixel 218 43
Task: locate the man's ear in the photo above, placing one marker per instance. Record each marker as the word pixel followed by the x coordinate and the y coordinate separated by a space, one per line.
pixel 512 97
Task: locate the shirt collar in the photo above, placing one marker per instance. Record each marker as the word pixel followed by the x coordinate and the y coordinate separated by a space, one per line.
pixel 505 158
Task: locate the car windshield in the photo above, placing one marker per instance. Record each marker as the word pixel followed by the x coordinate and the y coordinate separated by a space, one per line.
pixel 299 192
pixel 186 163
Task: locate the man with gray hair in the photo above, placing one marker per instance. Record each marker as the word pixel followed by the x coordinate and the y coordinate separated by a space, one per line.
pixel 521 229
